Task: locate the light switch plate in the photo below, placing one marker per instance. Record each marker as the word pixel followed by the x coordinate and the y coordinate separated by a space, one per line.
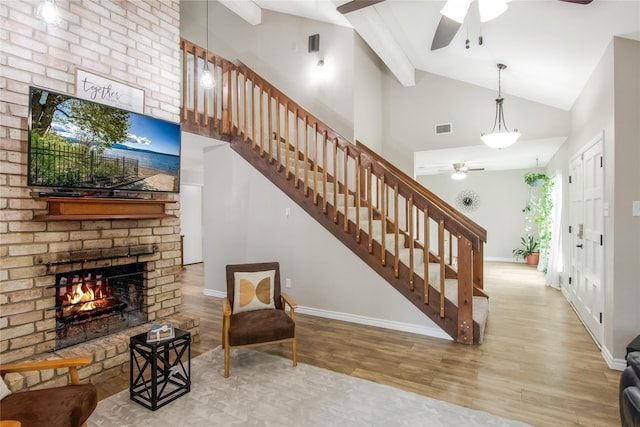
pixel 636 208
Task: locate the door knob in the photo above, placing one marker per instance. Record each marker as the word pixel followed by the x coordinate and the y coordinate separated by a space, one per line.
pixel 579 246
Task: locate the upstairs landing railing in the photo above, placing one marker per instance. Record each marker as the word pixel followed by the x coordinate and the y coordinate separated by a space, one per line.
pixel 412 233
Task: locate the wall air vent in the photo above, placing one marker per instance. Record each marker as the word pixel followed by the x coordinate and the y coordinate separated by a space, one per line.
pixel 443 128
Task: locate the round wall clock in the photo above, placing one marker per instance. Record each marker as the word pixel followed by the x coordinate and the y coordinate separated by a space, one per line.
pixel 467 201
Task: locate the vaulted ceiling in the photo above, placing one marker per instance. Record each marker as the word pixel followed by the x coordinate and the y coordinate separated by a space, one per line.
pixel 551 47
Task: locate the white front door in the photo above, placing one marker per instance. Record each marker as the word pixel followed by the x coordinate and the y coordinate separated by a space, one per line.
pixel 586 191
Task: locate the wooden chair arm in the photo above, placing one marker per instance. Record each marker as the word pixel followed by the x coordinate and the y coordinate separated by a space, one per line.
pixel 71 363
pixel 289 301
pixel 226 307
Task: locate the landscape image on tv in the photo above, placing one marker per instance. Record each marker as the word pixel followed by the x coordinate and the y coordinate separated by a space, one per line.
pixel 75 144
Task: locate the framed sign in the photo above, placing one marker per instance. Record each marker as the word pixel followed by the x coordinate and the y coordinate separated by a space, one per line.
pixel 100 89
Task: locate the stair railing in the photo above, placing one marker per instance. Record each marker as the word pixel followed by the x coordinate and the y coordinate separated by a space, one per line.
pixel 393 211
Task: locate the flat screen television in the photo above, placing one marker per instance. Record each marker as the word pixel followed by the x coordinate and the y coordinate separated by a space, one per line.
pixel 85 148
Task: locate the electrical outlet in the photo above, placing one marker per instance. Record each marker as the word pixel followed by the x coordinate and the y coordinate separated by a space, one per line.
pixel 287 283
pixel 287 212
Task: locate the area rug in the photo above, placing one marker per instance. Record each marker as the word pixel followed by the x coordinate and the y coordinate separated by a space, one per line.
pixel 266 390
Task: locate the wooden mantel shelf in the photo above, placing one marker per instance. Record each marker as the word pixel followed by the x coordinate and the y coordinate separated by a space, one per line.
pixel 94 208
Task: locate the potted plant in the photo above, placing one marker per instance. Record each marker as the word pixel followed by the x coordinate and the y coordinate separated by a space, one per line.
pixel 534 179
pixel 528 250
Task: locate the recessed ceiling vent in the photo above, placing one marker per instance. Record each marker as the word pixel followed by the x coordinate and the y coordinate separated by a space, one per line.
pixel 443 128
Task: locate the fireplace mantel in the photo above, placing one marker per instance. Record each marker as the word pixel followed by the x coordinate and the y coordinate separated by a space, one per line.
pixel 95 208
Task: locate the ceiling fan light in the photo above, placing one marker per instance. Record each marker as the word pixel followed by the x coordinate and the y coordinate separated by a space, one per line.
pixel 456 9
pixel 500 140
pixel 458 175
pixel 490 9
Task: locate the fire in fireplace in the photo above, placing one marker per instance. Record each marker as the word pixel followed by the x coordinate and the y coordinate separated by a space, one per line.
pixel 95 302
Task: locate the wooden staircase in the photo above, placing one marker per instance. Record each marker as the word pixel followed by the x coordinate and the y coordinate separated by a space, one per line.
pixel 400 229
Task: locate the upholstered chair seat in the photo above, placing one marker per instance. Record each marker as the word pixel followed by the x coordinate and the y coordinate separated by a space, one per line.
pixel 64 406
pixel 254 311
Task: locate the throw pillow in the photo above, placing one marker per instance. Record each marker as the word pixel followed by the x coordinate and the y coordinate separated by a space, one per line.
pixel 253 290
pixel 4 390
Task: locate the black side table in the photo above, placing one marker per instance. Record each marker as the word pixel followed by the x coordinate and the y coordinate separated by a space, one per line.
pixel 159 372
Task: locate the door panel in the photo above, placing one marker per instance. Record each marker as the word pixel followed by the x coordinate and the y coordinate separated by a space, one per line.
pixel 587 237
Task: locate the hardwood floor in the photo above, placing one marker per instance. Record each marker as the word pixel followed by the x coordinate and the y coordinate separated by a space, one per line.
pixel 538 364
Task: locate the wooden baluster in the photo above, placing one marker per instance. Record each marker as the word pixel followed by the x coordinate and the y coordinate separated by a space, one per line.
pixel 245 121
pixel 384 221
pixel 185 90
pixel 296 152
pixel 261 109
pixel 270 125
pixel 324 172
pixel 465 291
pixel 315 162
pixel 305 175
pixel 205 100
pixel 196 86
pixel 238 125
pixel 215 95
pixel 426 254
pixel 253 114
pixel 410 222
pixel 450 249
pixel 278 154
pixel 358 182
pixel 226 98
pixel 478 266
pixel 396 220
pixel 369 191
pixel 346 188
pixel 286 140
pixel 442 269
pixel 336 187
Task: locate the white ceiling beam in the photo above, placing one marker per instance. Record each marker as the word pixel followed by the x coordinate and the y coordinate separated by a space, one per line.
pixel 371 27
pixel 247 10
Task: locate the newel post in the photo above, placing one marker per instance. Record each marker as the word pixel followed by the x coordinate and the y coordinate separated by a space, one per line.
pixel 465 291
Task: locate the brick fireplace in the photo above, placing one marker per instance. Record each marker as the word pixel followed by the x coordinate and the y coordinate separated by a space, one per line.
pixel 136 43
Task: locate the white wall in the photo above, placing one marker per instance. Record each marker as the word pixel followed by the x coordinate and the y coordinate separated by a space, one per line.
pixel 246 222
pixel 502 196
pixel 410 114
pixel 367 92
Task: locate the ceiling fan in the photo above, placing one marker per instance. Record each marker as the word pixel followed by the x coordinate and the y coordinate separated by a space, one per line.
pixel 454 13
pixel 460 170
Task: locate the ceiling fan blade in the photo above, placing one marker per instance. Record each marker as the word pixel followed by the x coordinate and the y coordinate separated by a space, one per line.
pixel 446 31
pixel 475 169
pixel 578 1
pixel 354 5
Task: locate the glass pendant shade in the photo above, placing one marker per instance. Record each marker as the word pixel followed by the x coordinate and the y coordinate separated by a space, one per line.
pixel 48 13
pixel 500 140
pixel 206 80
pixel 490 9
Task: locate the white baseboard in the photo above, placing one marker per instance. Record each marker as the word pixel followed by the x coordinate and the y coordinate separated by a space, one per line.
pixel 617 364
pixel 500 259
pixel 362 320
pixel 371 321
pixel 214 293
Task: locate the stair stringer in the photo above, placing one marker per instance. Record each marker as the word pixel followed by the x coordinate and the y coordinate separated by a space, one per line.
pixel 401 283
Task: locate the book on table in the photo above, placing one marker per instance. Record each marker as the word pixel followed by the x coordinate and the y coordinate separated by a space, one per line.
pixel 160 332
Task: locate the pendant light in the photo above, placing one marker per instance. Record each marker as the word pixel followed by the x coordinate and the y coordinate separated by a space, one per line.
pixel 206 80
pixel 500 137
